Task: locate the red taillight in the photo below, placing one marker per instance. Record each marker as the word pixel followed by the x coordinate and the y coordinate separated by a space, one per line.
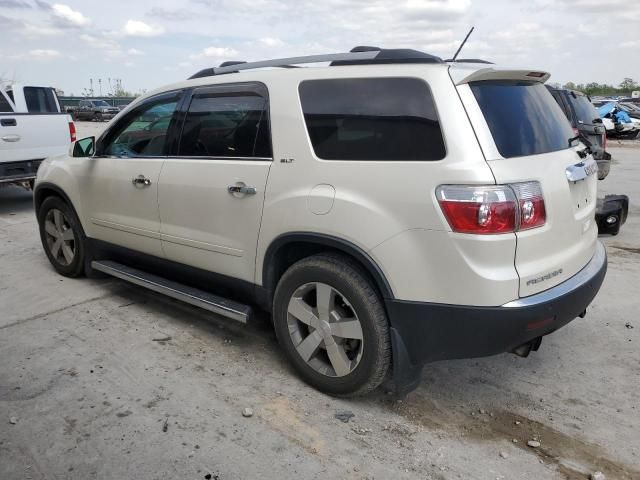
pixel 532 211
pixel 72 131
pixel 492 209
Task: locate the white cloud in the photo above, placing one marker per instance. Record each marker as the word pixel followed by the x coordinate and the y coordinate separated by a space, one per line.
pixel 135 51
pixel 68 16
pixel 215 52
pixel 271 42
pixel 44 53
pixel 136 28
pixel 34 30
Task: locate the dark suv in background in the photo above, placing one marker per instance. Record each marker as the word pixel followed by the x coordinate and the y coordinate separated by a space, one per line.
pixel 97 110
pixel 586 123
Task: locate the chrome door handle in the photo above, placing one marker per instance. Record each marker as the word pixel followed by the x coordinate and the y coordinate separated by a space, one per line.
pixel 11 138
pixel 243 189
pixel 141 180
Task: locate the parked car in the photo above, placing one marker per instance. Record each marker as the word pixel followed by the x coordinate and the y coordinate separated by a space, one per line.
pixel 390 209
pixel 32 128
pixel 624 126
pixel 586 123
pixel 95 110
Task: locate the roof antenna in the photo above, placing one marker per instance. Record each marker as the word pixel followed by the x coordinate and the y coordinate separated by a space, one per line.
pixel 462 44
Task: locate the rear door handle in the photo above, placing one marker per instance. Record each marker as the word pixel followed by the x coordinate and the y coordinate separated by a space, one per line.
pixel 242 189
pixel 140 181
pixel 8 122
pixel 11 138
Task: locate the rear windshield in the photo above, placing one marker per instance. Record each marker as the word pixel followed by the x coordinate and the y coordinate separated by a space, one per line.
pixel 523 117
pixel 585 111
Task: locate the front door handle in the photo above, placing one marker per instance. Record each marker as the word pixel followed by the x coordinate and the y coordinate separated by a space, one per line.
pixel 141 181
pixel 11 138
pixel 241 189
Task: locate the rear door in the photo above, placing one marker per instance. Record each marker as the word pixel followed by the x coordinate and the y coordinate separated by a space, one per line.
pixel 525 137
pixel 212 189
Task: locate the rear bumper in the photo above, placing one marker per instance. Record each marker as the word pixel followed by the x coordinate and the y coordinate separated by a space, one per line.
pixel 20 171
pixel 426 332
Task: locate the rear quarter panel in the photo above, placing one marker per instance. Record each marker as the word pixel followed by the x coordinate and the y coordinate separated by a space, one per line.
pixel 386 208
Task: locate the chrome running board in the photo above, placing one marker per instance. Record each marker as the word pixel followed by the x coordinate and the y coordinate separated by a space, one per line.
pixel 193 296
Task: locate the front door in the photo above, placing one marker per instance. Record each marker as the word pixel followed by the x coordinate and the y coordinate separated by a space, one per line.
pixel 212 190
pixel 121 184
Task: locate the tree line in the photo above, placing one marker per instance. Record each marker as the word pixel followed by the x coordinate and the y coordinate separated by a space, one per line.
pixel 625 88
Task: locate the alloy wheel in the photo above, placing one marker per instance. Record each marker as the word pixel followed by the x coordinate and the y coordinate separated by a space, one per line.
pixel 59 237
pixel 325 329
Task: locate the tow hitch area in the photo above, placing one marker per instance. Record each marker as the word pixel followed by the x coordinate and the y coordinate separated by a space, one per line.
pixel 525 349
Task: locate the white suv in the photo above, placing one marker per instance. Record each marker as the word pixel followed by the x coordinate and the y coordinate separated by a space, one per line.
pixel 390 209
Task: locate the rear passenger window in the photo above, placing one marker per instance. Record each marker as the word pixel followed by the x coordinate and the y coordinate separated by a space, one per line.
pixel 226 125
pixel 40 100
pixel 5 106
pixel 372 119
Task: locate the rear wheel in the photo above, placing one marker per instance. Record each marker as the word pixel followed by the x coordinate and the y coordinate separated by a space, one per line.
pixel 62 237
pixel 332 325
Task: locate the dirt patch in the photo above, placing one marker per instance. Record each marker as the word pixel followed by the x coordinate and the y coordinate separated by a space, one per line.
pixel 281 414
pixel 574 457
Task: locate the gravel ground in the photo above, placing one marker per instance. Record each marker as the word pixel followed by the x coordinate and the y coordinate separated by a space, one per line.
pixel 102 380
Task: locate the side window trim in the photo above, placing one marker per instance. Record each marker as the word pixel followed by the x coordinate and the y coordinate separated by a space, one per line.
pixel 113 128
pixel 225 89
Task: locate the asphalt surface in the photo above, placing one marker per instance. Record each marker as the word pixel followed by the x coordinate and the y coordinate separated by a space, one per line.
pixel 103 380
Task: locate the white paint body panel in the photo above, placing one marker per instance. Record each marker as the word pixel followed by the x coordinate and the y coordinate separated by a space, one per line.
pixel 35 136
pixel 205 226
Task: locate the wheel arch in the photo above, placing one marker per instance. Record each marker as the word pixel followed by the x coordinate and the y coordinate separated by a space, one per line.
pixel 46 189
pixel 289 248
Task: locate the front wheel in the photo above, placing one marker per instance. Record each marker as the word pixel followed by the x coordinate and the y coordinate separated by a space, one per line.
pixel 62 237
pixel 332 325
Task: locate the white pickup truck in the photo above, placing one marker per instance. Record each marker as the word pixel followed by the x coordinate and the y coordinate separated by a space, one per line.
pixel 32 127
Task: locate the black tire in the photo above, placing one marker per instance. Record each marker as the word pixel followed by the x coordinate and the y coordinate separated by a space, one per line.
pixel 349 280
pixel 75 267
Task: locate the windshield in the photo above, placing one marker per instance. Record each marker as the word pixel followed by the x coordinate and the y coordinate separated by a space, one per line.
pixel 585 111
pixel 101 103
pixel 523 117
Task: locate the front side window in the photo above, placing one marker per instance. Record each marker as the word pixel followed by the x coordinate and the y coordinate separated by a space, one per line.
pixel 143 133
pixel 226 125
pixel 523 117
pixel 40 100
pixel 372 119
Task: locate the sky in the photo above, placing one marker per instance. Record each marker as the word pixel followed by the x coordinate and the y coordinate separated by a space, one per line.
pixel 146 44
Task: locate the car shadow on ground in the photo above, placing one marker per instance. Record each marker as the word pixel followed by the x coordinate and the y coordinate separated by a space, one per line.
pixel 15 200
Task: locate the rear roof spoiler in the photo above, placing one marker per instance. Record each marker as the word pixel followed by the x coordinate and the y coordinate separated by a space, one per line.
pixel 467 73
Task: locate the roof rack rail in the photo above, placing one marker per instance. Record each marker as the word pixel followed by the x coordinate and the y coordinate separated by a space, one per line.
pixel 357 56
pixel 468 60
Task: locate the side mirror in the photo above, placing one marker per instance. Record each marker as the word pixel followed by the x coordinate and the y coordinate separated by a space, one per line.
pixel 84 147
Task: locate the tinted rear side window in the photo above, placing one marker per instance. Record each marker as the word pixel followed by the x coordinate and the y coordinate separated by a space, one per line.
pixel 372 119
pixel 40 100
pixel 226 126
pixel 523 117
